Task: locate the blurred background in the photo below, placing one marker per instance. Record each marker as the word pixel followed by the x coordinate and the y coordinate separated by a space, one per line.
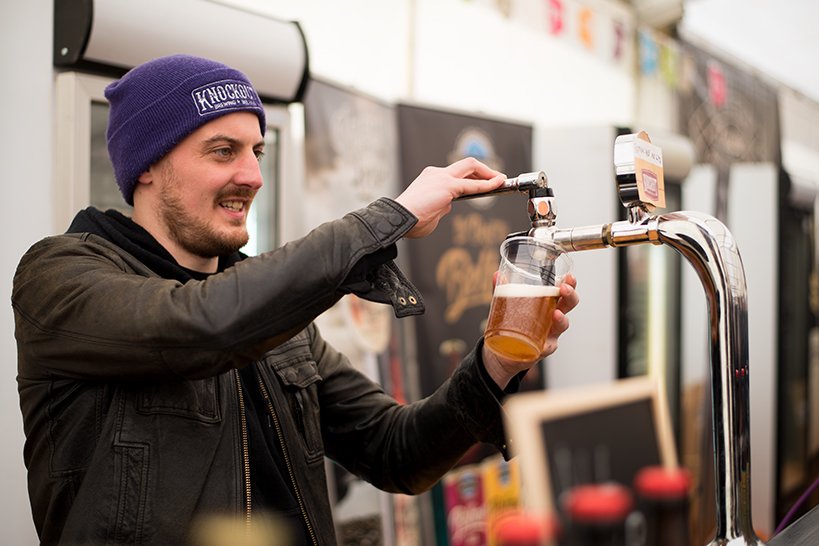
pixel 361 95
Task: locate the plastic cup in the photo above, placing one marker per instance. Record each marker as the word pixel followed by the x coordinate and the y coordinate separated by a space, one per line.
pixel 526 294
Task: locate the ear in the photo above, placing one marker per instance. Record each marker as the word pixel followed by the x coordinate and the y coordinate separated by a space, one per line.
pixel 147 177
pixel 144 182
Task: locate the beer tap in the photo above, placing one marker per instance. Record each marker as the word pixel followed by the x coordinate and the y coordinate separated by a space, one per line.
pixel 707 244
pixel 526 182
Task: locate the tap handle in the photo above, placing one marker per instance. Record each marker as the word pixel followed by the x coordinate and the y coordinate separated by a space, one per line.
pixel 525 182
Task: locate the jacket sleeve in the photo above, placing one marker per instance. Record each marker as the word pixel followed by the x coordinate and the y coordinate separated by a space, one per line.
pixel 81 311
pixel 403 448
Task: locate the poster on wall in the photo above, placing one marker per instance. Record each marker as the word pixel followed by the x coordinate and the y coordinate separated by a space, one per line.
pixel 453 267
pixel 351 159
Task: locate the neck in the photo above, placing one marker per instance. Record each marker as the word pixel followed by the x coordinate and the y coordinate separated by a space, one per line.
pixel 192 262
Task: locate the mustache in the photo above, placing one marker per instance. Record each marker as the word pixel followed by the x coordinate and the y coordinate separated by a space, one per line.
pixel 240 192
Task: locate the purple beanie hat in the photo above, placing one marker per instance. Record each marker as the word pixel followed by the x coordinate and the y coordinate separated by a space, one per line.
pixel 157 104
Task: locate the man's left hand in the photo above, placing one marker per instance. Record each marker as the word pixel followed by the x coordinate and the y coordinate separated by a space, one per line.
pixel 503 370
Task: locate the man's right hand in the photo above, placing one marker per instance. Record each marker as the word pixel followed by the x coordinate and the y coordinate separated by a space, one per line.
pixel 430 195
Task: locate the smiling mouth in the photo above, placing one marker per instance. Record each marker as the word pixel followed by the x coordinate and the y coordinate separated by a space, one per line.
pixel 233 206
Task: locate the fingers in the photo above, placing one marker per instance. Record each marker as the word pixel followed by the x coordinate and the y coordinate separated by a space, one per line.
pixel 560 322
pixel 570 280
pixel 473 177
pixel 471 186
pixel 495 277
pixel 568 295
pixel 469 167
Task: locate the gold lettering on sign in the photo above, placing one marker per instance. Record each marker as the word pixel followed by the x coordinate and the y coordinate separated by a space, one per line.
pixel 464 282
pixel 472 229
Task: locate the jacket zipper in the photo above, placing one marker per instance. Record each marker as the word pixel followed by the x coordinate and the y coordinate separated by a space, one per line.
pixel 245 452
pixel 288 464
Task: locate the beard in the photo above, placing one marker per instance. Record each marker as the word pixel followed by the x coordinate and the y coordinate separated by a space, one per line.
pixel 193 234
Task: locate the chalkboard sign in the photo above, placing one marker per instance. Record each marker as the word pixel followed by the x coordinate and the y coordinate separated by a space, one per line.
pixel 583 435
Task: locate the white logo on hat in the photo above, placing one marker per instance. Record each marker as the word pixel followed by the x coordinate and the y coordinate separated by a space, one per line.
pixel 225 95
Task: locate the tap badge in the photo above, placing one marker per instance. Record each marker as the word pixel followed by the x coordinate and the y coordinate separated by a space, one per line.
pixel 648 170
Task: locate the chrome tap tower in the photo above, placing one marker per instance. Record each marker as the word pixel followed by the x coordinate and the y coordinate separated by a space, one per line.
pixel 707 244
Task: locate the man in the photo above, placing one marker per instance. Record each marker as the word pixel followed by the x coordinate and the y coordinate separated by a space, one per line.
pixel 164 379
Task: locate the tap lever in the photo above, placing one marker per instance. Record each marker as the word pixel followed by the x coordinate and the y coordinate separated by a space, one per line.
pixel 523 183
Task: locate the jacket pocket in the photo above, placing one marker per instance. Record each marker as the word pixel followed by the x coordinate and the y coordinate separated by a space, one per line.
pixel 194 399
pixel 75 413
pixel 131 466
pixel 295 369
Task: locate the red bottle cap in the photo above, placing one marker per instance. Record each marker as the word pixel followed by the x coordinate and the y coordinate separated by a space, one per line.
pixel 599 503
pixel 520 528
pixel 657 482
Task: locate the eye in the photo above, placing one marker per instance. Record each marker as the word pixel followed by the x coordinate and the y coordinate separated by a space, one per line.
pixel 223 153
pixel 259 154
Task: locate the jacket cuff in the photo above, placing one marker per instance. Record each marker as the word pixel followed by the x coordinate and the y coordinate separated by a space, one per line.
pixel 475 401
pixel 387 220
pixel 500 394
pixel 376 277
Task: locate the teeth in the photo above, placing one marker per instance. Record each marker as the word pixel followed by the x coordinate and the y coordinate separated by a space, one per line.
pixel 235 206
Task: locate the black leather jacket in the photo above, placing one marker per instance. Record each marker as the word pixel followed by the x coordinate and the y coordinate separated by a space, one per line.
pixel 131 402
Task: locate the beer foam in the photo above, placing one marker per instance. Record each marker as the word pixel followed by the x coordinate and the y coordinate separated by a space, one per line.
pixel 517 290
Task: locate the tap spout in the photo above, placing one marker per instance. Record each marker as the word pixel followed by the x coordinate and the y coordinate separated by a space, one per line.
pixel 616 234
pixel 709 247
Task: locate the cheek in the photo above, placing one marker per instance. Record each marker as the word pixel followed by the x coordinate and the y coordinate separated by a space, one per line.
pixel 203 199
pixel 199 193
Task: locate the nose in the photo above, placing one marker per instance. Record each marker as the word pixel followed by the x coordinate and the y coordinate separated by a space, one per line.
pixel 249 171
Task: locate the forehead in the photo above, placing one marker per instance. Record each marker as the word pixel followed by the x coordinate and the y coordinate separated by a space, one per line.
pixel 239 126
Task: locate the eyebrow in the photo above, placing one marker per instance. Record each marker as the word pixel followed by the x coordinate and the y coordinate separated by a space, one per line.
pixel 230 140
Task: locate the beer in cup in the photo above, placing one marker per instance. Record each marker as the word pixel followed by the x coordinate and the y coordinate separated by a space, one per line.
pixel 525 297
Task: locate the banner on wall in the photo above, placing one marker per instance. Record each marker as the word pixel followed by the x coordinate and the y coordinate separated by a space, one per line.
pixel 453 267
pixel 730 116
pixel 602 29
pixel 659 56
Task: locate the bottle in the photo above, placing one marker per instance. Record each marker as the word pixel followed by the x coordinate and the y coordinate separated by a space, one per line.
pixel 519 528
pixel 596 515
pixel 662 498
